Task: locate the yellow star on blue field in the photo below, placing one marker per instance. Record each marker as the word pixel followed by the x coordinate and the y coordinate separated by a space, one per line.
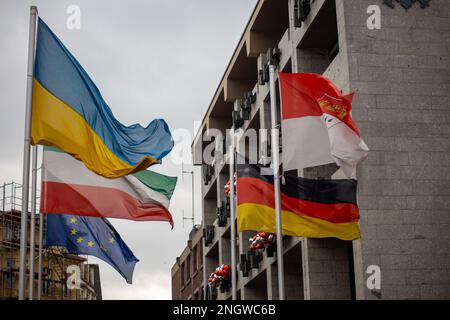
pixel 111 240
pixel 103 248
pixel 90 244
pixel 73 220
pixel 73 231
pixel 80 239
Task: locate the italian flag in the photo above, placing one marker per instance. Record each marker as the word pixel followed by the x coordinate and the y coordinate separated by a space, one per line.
pixel 68 187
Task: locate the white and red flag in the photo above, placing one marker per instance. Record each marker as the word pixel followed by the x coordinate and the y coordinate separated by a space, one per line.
pixel 317 125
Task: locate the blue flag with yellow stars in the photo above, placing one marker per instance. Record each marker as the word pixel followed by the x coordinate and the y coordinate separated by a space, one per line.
pixel 91 236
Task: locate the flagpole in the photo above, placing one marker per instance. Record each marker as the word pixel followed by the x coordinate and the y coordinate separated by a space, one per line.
pixel 232 218
pixel 41 236
pixel 32 219
pixel 26 152
pixel 41 239
pixel 276 179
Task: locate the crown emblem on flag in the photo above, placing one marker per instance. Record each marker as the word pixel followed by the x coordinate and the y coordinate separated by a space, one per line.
pixel 336 107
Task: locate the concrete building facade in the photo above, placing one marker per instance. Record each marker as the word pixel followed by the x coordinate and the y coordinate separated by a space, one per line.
pixel 187 272
pixel 400 74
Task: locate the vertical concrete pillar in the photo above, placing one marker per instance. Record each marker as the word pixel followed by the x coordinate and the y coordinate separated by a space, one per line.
pixel 272 281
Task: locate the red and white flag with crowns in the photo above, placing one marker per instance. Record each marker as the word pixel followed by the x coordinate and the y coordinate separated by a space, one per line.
pixel 317 125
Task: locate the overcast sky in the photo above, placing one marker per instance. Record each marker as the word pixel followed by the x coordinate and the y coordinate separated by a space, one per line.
pixel 150 59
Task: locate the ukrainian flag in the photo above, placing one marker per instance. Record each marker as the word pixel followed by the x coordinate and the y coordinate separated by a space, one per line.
pixel 68 112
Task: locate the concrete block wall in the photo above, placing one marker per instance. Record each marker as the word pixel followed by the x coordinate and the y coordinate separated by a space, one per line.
pixel 401 76
pixel 329 276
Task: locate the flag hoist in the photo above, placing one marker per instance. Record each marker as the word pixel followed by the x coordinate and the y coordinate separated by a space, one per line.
pixel 26 152
pixel 276 179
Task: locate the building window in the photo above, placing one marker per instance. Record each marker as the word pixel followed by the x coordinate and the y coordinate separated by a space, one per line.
pixel 10 264
pixel 45 287
pixel 47 283
pixel 9 278
pixel 7 231
pixel 200 255
pixel 322 48
pixel 182 274
pixel 64 290
pixel 194 259
pixel 16 232
pixel 351 270
pixel 188 268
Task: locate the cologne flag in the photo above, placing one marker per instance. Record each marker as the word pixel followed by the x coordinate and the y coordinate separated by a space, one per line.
pixel 316 123
pixel 68 187
pixel 309 208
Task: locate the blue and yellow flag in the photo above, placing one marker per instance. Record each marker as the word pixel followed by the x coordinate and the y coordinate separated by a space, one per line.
pixel 91 236
pixel 68 112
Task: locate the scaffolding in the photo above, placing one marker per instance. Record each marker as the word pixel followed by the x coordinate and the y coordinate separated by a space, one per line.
pixel 55 260
pixel 11 204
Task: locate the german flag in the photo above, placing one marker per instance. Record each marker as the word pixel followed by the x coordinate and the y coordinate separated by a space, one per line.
pixel 310 208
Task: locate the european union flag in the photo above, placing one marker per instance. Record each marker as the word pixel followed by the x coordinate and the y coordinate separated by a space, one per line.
pixel 92 236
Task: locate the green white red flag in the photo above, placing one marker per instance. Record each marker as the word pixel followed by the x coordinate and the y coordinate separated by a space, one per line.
pixel 68 187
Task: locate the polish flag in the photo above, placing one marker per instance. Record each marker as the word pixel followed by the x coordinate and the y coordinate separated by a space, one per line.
pixel 317 125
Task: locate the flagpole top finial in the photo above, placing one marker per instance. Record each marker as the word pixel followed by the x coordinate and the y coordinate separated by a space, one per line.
pixel 33 9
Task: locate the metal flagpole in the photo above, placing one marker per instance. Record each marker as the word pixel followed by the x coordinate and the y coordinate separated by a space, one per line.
pixel 26 152
pixel 41 236
pixel 232 218
pixel 32 219
pixel 192 186
pixel 276 179
pixel 41 239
